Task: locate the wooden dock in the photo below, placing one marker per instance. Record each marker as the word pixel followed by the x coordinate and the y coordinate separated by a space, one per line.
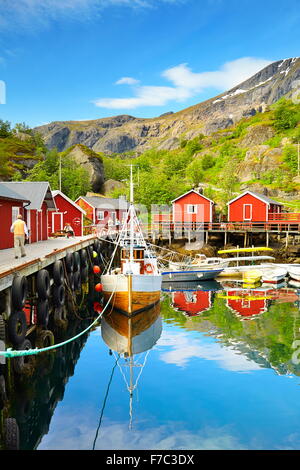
pixel 38 256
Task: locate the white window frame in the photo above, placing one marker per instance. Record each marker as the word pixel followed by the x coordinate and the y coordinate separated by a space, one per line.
pixel 100 214
pixel 192 209
pixel 15 211
pixel 244 211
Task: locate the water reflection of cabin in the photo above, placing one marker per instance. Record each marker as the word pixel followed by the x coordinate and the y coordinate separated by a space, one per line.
pixel 192 302
pixel 247 304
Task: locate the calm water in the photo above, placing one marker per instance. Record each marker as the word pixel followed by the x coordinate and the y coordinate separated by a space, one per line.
pixel 215 369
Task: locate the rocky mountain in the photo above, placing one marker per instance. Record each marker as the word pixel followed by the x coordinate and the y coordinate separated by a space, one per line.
pixel 124 133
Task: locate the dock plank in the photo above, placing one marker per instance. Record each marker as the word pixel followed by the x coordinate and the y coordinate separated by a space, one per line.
pixel 38 256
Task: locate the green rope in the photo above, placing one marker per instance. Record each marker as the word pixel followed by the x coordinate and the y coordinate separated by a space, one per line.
pixel 29 352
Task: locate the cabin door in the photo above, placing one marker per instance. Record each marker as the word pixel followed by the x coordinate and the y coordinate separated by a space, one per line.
pixel 57 221
pixel 247 211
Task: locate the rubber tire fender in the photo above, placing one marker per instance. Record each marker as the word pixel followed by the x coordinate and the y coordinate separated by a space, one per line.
pixel 85 274
pixel 58 273
pixel 17 327
pixel 42 312
pixel 83 258
pixel 71 281
pixel 44 339
pixel 19 292
pixel 58 295
pixel 76 256
pixel 11 434
pixel 24 364
pixel 43 284
pixel 69 260
pixel 77 280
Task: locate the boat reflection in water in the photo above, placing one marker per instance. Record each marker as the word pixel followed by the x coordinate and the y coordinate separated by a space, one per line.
pixel 132 338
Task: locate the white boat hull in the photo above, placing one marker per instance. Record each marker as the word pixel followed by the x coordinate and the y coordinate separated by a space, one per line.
pixel 131 293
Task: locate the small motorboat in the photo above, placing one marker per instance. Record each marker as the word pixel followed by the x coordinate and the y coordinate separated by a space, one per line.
pixel 190 275
pixel 294 272
pixel 273 274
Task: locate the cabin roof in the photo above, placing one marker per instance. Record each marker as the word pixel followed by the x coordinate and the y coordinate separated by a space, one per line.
pixel 7 193
pixel 262 197
pixel 57 192
pixel 100 202
pixel 35 192
pixel 192 191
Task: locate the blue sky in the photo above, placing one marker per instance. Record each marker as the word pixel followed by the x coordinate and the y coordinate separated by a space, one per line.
pixel 88 59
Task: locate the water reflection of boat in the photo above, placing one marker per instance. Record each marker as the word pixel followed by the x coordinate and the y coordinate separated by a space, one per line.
pixel 191 286
pixel 131 337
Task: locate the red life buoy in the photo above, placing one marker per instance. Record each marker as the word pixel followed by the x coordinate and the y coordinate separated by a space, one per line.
pixel 149 268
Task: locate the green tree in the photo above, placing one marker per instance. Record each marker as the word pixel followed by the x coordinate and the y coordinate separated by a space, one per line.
pixel 286 115
pixel 5 129
pixel 74 177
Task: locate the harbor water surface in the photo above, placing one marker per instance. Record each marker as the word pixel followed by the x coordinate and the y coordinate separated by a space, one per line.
pixel 219 371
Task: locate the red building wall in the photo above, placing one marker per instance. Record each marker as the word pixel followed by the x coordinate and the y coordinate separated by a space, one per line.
pixel 72 215
pixel 7 238
pixel 204 210
pixel 236 209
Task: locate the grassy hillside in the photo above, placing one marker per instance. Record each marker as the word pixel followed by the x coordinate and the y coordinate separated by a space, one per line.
pixel 20 149
pixel 259 152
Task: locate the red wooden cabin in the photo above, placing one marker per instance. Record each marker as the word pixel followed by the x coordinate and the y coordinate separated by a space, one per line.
pixel 100 209
pixel 36 213
pixel 192 208
pixel 252 207
pixel 67 211
pixel 11 205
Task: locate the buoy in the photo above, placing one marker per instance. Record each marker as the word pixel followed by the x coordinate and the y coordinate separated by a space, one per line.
pixel 95 254
pixel 98 307
pixel 98 287
pixel 96 269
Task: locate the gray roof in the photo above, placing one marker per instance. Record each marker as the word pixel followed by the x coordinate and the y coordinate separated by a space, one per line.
pixel 106 202
pixel 7 193
pixel 266 199
pixel 35 192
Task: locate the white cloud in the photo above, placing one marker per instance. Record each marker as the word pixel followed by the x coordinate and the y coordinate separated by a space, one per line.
pixel 68 432
pixel 187 84
pixel 181 349
pixel 127 81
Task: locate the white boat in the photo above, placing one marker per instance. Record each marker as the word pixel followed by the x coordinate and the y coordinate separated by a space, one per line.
pixel 136 284
pixel 192 274
pixel 273 274
pixel 294 272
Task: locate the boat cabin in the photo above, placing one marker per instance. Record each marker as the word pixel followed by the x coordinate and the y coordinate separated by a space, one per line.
pixel 143 263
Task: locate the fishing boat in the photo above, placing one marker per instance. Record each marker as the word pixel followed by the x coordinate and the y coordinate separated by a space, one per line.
pixel 135 285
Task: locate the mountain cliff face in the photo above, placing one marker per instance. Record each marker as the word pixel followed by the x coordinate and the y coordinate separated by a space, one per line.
pixel 125 133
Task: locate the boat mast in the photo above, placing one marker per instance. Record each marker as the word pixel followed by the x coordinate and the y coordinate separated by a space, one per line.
pixel 131 218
